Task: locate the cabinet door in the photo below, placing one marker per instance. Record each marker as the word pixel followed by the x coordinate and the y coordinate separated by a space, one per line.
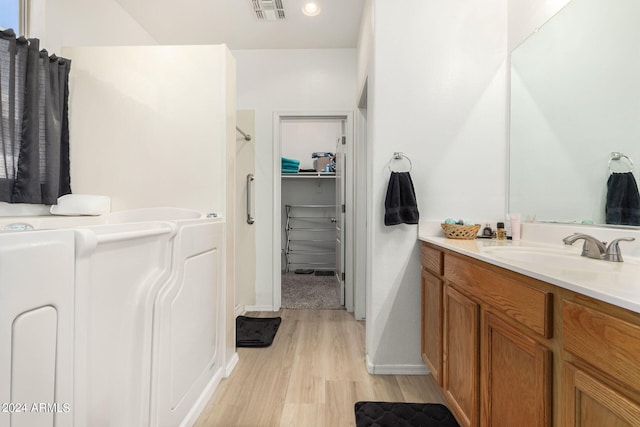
pixel 516 377
pixel 589 402
pixel 431 344
pixel 460 364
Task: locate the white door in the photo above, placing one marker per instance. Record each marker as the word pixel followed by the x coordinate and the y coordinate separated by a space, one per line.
pixel 340 159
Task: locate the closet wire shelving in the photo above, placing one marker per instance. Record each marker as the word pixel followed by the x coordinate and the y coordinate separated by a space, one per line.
pixel 304 222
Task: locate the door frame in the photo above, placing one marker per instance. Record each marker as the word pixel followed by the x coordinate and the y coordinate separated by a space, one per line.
pixel 362 183
pixel 350 214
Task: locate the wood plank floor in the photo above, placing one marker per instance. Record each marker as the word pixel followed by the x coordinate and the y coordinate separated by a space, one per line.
pixel 311 375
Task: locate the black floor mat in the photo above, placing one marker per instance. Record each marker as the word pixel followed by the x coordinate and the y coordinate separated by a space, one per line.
pixel 256 331
pixel 389 414
pixel 325 272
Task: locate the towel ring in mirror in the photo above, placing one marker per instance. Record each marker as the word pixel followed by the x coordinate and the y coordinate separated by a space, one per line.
pixel 400 156
pixel 619 156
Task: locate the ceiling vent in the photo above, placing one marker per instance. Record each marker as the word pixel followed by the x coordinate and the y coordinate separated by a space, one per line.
pixel 268 10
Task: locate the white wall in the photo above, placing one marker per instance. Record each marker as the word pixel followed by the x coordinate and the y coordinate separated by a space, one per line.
pixel 145 130
pixel 438 77
pixel 59 23
pixel 286 80
pixel 300 138
pixel 437 92
pixel 525 16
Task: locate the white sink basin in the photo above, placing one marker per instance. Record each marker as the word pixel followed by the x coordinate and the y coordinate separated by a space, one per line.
pixel 552 258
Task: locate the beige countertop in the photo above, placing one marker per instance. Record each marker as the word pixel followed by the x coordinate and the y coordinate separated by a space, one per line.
pixel 617 283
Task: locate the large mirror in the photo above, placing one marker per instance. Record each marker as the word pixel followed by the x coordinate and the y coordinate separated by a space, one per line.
pixel 575 99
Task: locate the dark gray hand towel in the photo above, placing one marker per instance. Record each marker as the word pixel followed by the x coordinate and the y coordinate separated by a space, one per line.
pixel 400 204
pixel 623 200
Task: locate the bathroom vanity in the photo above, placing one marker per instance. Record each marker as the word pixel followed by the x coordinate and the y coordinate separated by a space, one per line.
pixel 515 344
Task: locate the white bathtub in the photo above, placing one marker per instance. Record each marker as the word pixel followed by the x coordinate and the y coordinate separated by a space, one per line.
pixel 36 327
pixel 148 315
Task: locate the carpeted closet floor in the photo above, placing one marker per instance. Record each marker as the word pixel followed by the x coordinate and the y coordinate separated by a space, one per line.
pixel 310 292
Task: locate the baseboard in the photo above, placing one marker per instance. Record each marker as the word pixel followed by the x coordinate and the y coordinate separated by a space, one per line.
pixel 240 310
pixel 231 364
pixel 202 401
pixel 374 369
pixel 249 308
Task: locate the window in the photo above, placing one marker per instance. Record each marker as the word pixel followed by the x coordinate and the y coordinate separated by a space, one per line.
pixel 13 15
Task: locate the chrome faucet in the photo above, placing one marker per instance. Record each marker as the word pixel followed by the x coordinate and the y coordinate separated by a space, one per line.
pixel 594 248
pixel 613 250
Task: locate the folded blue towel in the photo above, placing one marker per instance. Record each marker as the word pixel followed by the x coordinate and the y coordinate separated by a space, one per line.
pixel 290 169
pixel 290 161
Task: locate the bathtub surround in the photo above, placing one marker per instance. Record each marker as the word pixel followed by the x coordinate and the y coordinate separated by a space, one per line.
pixel 166 122
pixel 165 134
pixel 146 317
pixel 36 323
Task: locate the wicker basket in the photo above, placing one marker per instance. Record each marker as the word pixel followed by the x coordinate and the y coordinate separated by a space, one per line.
pixel 465 232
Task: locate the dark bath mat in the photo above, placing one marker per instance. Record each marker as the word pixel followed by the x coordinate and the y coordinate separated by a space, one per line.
pixel 256 331
pixel 304 271
pixel 325 273
pixel 391 414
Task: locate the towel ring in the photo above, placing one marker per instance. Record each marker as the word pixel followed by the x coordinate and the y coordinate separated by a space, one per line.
pixel 619 156
pixel 400 156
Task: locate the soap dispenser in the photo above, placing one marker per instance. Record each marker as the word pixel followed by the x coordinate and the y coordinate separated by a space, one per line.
pixel 501 233
pixel 487 231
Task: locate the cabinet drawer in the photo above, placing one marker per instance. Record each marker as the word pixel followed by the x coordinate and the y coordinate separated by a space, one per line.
pixel 522 302
pixel 606 342
pixel 432 259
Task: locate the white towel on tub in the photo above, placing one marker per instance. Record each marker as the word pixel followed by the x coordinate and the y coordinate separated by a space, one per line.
pixel 81 204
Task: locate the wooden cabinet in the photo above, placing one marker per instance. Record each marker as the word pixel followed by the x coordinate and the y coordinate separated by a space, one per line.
pixel 460 379
pixel 431 345
pixel 515 376
pixel 601 375
pixel 496 366
pixel 510 350
pixel 589 402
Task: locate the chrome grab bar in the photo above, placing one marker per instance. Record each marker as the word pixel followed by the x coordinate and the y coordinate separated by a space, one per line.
pixel 247 137
pixel 250 179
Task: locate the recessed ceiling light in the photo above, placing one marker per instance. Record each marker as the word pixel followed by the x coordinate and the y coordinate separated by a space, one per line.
pixel 311 9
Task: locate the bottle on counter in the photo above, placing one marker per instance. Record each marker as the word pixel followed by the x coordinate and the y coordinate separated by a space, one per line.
pixel 501 233
pixel 487 231
pixel 515 226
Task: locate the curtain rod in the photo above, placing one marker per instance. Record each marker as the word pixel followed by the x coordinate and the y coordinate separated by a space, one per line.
pixel 246 136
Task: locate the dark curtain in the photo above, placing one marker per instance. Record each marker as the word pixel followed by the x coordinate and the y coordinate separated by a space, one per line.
pixel 34 131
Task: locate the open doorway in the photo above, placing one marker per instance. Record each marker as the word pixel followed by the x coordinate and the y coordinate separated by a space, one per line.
pixel 312 224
